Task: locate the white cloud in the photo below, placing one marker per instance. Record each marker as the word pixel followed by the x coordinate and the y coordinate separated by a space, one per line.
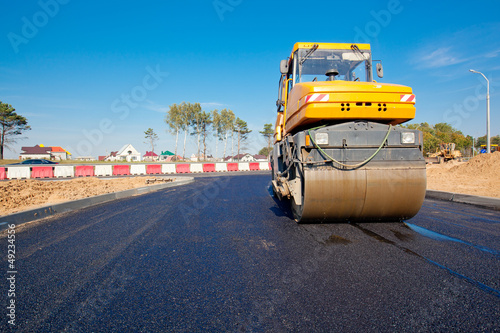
pixel 155 107
pixel 443 56
pixel 212 105
pixel 492 54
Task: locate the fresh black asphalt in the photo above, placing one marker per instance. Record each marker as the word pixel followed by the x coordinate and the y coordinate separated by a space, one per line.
pixel 222 254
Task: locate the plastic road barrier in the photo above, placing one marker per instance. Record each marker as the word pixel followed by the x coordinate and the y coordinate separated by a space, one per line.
pixel 138 169
pixel 243 167
pixel 153 169
pixel 209 167
pixel 121 170
pixel 182 168
pixel 64 171
pixel 196 167
pixel 3 173
pixel 84 171
pixel 254 166
pixel 168 168
pixel 220 167
pixel 232 167
pixel 18 173
pixel 42 172
pixel 103 170
pixel 264 166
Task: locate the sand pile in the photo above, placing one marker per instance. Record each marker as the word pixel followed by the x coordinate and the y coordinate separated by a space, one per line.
pixel 479 176
pixel 19 195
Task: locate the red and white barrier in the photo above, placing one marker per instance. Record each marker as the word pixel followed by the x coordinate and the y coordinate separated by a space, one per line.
pixel 84 171
pixel 26 172
pixel 42 172
pixel 64 171
pixel 138 169
pixel 254 166
pixel 121 170
pixel 182 168
pixel 243 166
pixel 264 166
pixel 196 167
pixel 232 167
pixel 168 168
pixel 153 169
pixel 221 167
pixel 208 167
pixel 18 172
pixel 103 170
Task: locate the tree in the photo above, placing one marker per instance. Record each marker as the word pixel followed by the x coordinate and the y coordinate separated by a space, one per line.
pixel 227 119
pixel 494 140
pixel 217 127
pixel 196 122
pixel 205 119
pixel 185 116
pixel 173 118
pixel 242 131
pixel 441 133
pixel 268 133
pixel 11 124
pixel 151 137
pixel 265 151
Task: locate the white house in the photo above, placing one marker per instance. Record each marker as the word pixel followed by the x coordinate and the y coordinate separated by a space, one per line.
pixel 246 157
pixel 126 153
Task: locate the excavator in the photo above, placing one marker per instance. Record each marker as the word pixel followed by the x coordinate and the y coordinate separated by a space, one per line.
pixel 339 154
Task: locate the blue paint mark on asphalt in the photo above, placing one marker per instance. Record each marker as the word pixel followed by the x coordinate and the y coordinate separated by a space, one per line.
pixel 480 285
pixel 440 237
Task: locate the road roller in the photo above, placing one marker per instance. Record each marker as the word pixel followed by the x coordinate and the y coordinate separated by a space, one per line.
pixel 339 154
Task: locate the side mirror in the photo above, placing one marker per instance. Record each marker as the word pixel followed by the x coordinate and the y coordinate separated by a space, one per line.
pixel 380 70
pixel 284 66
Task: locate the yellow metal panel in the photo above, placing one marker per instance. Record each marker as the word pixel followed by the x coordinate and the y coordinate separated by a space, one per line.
pixel 348 101
pixel 330 46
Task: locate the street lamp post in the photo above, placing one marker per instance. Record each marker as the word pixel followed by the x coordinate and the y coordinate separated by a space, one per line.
pixel 488 148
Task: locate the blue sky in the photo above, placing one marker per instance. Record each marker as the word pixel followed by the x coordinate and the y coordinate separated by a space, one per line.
pixel 69 65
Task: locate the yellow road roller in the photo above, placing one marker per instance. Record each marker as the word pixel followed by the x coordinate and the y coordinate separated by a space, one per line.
pixel 339 154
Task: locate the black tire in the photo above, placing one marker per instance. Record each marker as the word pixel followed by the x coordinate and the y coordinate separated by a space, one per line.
pixel 297 210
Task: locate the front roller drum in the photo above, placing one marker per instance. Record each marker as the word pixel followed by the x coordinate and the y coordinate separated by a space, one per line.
pixel 369 194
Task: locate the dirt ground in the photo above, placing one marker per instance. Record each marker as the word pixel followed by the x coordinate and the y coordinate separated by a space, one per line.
pixel 479 176
pixel 19 195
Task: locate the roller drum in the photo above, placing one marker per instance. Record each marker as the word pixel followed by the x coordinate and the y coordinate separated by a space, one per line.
pixel 366 194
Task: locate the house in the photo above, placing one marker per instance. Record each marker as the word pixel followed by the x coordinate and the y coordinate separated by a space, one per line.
pixel 260 158
pixel 240 158
pixel 111 157
pixel 58 153
pixel 150 156
pixel 126 153
pixel 49 153
pixel 85 158
pixel 196 158
pixel 165 155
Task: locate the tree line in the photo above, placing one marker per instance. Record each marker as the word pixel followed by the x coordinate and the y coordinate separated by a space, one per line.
pixel 439 133
pixel 189 118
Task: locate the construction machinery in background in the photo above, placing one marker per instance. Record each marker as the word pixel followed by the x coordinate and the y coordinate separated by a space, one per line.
pixel 339 154
pixel 493 148
pixel 445 153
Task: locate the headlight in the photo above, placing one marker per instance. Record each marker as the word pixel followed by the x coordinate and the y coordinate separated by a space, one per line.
pixel 321 138
pixel 407 137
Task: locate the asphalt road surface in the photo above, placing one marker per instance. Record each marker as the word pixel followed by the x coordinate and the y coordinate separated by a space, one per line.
pixel 221 254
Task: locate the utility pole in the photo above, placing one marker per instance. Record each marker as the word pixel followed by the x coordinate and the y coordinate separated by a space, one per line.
pixel 488 147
